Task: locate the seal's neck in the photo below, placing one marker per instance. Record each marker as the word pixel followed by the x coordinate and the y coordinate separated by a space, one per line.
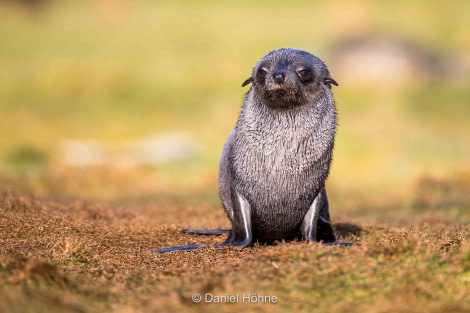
pixel 256 114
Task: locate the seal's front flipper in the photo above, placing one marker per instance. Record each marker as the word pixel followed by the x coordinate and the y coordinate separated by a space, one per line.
pixel 325 231
pixel 240 235
pixel 316 225
pixel 205 231
pixel 309 223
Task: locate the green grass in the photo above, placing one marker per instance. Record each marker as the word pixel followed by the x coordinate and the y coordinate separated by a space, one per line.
pixel 118 71
pixel 121 71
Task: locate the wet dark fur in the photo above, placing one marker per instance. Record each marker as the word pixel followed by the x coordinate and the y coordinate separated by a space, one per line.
pixel 276 160
pixel 278 155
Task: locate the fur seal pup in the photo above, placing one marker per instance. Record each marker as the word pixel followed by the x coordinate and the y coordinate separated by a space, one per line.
pixel 276 160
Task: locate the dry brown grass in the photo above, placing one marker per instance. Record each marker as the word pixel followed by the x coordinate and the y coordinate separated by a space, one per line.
pixel 71 255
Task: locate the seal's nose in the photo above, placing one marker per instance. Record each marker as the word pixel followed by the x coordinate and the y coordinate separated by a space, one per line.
pixel 279 77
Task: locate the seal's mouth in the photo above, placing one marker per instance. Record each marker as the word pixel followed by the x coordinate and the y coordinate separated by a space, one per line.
pixel 284 98
pixel 280 93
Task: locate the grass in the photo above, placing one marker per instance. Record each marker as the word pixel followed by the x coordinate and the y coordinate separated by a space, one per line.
pixel 80 239
pixel 82 256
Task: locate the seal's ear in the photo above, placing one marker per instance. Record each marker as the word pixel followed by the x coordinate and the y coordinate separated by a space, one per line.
pixel 328 80
pixel 248 81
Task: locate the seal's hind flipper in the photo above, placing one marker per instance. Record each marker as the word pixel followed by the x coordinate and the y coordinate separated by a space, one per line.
pixel 206 231
pixel 180 248
pixel 341 243
pixel 196 247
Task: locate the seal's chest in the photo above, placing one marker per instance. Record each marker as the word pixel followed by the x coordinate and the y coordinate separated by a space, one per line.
pixel 281 152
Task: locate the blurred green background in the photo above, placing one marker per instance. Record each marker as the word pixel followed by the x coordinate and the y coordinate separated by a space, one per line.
pixel 105 75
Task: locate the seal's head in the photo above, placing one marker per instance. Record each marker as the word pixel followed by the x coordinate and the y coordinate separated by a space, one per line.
pixel 287 78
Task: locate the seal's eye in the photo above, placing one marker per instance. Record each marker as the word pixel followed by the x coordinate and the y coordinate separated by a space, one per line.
pixel 262 73
pixel 305 75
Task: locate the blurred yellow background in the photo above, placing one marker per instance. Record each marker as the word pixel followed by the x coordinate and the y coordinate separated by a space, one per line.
pixel 91 92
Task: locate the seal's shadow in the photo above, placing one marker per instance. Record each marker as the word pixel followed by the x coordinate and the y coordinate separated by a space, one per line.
pixel 344 230
pixel 341 230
